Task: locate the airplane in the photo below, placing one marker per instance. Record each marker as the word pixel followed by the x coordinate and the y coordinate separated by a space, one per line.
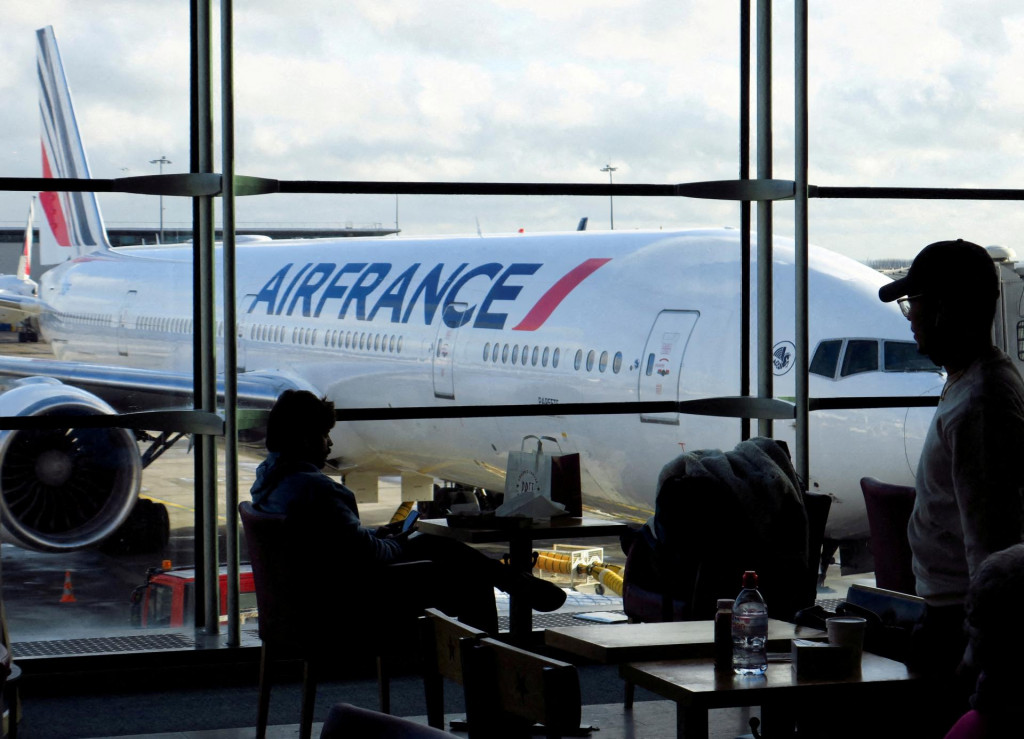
pixel 532 319
pixel 20 285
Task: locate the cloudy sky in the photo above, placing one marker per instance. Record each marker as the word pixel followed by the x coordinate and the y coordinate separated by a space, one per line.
pixel 902 94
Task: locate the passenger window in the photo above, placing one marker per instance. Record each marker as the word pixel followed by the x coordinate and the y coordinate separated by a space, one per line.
pixel 826 358
pixel 544 356
pixel 494 353
pixel 590 360
pixel 515 354
pixel 902 356
pixel 650 365
pixel 617 362
pixel 487 350
pixel 504 354
pixel 578 361
pixel 399 347
pixel 603 364
pixel 861 356
pixel 391 344
pixel 554 357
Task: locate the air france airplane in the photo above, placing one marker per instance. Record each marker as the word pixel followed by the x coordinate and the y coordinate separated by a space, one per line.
pixel 545 319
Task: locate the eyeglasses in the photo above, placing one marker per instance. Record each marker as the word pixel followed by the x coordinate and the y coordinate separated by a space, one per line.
pixel 904 304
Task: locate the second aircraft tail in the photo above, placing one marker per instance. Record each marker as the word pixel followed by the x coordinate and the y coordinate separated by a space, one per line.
pixel 71 225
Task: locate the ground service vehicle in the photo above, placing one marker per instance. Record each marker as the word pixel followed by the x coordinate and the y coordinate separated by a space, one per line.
pixel 167 600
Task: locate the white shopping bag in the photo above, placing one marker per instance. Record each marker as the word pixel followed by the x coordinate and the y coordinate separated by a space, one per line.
pixel 528 483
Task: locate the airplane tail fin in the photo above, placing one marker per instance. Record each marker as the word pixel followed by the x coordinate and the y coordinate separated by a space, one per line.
pixel 25 262
pixel 71 225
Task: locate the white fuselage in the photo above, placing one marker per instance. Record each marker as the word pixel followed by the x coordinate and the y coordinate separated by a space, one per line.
pixel 477 321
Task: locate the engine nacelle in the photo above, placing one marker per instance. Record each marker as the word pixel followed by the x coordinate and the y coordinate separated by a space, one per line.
pixel 63 489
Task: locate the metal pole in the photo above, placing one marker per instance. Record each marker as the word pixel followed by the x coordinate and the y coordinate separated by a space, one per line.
pixel 765 378
pixel 230 319
pixel 203 241
pixel 611 198
pixel 745 210
pixel 802 338
pixel 161 161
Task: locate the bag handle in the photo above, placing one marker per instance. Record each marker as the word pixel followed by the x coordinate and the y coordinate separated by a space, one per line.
pixel 540 442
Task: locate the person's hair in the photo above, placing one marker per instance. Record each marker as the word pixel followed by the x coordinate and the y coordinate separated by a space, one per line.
pixel 996 593
pixel 297 416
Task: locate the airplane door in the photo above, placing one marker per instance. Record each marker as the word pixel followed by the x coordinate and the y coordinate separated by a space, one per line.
pixel 245 327
pixel 124 316
pixel 444 354
pixel 662 365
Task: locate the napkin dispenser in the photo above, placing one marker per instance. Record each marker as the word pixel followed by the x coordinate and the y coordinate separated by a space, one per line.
pixel 813 660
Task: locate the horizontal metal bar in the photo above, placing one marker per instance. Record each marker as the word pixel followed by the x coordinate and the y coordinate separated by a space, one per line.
pixel 828 404
pixel 182 185
pixel 916 193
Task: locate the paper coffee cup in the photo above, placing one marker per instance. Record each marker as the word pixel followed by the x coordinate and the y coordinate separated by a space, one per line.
pixel 847 631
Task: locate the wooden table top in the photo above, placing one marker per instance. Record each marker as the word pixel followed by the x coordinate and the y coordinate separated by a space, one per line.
pixel 617 643
pixel 696 682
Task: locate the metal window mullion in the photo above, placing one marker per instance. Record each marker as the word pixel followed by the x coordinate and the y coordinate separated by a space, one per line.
pixel 765 378
pixel 801 218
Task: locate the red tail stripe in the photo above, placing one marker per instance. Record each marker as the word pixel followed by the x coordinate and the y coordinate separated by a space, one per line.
pixel 557 293
pixel 51 208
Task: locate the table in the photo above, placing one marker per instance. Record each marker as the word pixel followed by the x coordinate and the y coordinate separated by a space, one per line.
pixel 520 533
pixel 617 643
pixel 696 687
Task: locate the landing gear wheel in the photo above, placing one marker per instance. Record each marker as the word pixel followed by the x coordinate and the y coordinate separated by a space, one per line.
pixel 147 529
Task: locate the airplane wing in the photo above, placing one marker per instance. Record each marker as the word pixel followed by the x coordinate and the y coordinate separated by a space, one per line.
pixel 28 305
pixel 129 390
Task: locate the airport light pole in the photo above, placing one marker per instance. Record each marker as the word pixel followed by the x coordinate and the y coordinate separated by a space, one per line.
pixel 611 202
pixel 161 161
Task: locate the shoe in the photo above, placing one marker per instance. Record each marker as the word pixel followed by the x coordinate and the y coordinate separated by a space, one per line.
pixel 542 595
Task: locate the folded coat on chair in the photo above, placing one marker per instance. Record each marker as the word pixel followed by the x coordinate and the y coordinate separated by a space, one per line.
pixel 718 514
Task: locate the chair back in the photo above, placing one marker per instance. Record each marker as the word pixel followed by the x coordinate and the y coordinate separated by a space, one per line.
pixel 277 599
pixel 345 721
pixel 441 642
pixel 509 689
pixel 889 507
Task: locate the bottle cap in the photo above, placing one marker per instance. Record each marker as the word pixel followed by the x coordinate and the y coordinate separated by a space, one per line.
pixel 750 579
pixel 725 603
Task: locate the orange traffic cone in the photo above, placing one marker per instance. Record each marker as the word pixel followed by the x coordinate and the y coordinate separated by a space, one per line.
pixel 69 594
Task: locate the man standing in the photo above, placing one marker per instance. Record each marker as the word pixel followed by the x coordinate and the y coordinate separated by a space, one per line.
pixel 969 478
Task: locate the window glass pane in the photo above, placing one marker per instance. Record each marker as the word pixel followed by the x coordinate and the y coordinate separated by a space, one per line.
pixel 902 356
pixel 617 362
pixel 603 364
pixel 826 358
pixel 861 356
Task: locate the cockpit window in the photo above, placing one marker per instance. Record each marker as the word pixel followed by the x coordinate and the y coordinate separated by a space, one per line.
pixel 902 356
pixel 826 358
pixel 861 356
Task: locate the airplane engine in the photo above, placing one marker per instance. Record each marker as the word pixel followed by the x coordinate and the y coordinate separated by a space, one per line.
pixel 63 489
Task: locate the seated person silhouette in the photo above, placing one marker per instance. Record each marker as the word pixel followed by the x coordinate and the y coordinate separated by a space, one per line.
pixel 324 519
pixel 995 651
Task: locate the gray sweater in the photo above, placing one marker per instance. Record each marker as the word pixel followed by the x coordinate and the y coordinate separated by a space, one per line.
pixel 969 478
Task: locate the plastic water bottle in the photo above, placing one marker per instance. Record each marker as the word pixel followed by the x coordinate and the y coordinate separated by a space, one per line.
pixel 749 629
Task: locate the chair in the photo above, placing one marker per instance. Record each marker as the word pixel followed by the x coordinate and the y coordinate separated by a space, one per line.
pixel 508 690
pixel 297 622
pixel 441 639
pixel 889 507
pixel 345 721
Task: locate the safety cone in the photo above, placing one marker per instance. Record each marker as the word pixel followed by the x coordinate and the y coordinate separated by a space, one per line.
pixel 69 594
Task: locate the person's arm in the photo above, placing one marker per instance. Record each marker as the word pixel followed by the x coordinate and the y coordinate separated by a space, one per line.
pixel 986 444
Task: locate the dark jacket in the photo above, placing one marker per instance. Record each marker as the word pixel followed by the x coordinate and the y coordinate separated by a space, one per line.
pixel 322 514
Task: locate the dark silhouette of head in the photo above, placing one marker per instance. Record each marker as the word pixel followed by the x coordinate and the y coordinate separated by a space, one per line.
pixel 299 426
pixel 949 294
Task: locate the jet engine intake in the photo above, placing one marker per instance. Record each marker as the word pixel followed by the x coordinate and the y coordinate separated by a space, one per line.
pixel 63 489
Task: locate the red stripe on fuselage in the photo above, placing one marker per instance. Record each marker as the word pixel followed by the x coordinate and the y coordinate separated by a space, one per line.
pixel 557 293
pixel 51 208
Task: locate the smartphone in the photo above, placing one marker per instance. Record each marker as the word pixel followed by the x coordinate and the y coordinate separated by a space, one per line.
pixel 410 520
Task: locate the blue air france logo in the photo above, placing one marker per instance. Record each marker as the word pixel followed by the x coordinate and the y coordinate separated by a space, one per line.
pixel 783 356
pixel 369 291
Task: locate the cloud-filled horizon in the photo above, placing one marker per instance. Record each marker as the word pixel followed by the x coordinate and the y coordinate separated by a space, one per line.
pixel 521 90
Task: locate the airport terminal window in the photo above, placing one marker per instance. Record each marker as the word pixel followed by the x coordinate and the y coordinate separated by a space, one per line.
pixel 902 356
pixel 577 362
pixel 861 356
pixel 826 358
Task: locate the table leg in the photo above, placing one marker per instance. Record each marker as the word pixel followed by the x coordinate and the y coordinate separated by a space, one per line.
pixel 691 722
pixel 520 615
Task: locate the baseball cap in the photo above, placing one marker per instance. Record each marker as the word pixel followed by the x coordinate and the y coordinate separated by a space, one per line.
pixel 958 269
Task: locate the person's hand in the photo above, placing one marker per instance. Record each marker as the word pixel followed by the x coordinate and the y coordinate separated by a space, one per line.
pixel 389 530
